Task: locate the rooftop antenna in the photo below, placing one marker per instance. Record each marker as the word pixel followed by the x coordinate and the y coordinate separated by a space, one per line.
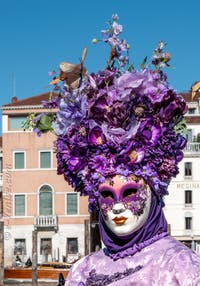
pixel 13 85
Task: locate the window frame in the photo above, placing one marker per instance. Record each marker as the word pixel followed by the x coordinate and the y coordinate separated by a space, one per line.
pixel 1 202
pixel 192 110
pixel 22 116
pixel 77 203
pixel 18 240
pixel 187 170
pixel 14 205
pixel 51 159
pixel 42 239
pixel 1 165
pixel 14 159
pixel 189 135
pixel 188 222
pixel 188 195
pixel 68 244
pixel 52 198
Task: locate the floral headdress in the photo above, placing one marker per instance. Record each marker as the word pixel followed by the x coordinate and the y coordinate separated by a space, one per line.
pixel 117 121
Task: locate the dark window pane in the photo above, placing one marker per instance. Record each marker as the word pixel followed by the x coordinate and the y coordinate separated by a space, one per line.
pixel 20 246
pixel 72 207
pixel 19 205
pixel 19 160
pixel 72 245
pixel 16 122
pixel 45 159
pixel 188 169
pixel 188 197
pixel 46 246
pixel 188 223
pixel 45 201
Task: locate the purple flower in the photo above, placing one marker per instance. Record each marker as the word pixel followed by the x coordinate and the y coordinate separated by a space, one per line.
pixel 155 93
pixel 73 163
pixel 70 112
pixel 53 103
pixel 148 133
pixel 113 41
pixel 98 163
pixel 37 131
pixel 129 81
pixel 50 73
pixel 119 114
pixel 117 29
pixel 96 136
pixel 115 17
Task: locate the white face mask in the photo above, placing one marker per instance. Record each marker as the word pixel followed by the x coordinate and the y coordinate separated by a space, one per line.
pixel 125 204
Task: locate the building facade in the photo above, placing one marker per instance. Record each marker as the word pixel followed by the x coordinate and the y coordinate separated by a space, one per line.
pixel 182 207
pixel 35 198
pixel 1 178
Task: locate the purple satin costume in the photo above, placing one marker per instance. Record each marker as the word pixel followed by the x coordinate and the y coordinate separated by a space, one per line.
pixel 148 257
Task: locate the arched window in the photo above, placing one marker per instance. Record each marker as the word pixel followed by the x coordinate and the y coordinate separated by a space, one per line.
pixel 45 200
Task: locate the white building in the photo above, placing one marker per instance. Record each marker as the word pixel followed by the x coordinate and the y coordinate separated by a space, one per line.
pixel 182 206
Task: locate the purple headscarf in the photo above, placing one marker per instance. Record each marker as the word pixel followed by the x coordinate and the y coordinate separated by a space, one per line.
pixel 154 228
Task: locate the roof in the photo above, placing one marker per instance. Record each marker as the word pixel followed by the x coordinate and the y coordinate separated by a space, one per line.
pixel 188 96
pixel 192 119
pixel 30 101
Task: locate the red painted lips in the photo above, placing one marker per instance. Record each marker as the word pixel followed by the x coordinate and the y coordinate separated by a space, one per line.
pixel 120 220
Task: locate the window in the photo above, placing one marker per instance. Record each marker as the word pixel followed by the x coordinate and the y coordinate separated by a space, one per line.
pixel 19 205
pixel 72 245
pixel 189 135
pixel 191 110
pixel 72 204
pixel 1 165
pixel 15 122
pixel 188 169
pixel 188 223
pixel 46 247
pixel 1 202
pixel 188 197
pixel 20 246
pixel 45 159
pixel 45 200
pixel 19 160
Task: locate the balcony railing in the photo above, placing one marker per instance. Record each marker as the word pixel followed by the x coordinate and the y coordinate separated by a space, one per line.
pixel 49 222
pixel 192 147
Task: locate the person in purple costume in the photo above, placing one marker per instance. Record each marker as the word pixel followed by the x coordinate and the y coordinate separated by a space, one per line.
pixel 120 136
pixel 138 249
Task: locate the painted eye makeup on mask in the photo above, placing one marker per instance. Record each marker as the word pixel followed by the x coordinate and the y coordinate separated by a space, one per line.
pixel 135 199
pixel 106 201
pixel 132 195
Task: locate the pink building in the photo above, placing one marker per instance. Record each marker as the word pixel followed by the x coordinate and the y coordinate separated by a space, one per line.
pixel 1 177
pixel 34 196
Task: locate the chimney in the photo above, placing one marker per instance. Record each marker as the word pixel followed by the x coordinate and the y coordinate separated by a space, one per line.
pixel 14 99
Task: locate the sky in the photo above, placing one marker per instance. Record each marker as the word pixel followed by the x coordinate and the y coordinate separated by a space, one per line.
pixel 36 35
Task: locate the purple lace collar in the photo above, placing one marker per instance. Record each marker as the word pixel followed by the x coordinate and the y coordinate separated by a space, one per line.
pixel 135 248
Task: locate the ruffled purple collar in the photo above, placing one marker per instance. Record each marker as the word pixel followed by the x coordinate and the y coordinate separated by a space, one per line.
pixel 154 229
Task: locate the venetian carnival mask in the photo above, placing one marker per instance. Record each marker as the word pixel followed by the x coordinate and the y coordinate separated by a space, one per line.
pixel 125 204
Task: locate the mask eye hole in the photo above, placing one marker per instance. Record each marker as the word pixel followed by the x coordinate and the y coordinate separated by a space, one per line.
pixel 129 192
pixel 107 194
